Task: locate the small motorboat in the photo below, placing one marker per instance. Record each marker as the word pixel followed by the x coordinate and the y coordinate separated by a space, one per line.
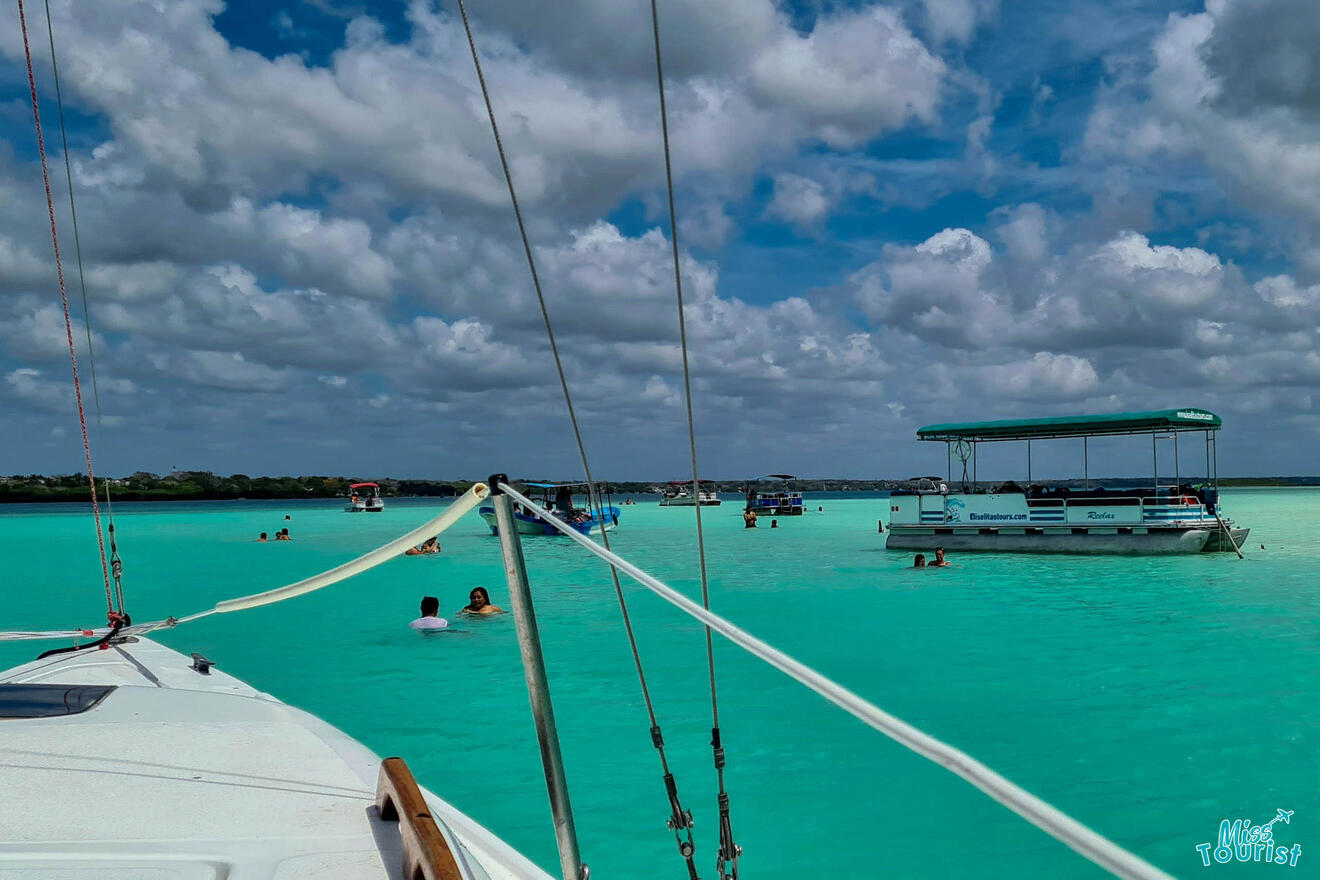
pixel 599 511
pixel 364 498
pixel 678 493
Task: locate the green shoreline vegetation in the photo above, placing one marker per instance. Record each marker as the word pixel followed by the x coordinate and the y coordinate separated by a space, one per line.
pixel 206 486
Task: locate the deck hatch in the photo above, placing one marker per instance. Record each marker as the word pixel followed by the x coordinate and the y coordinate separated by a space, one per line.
pixel 49 700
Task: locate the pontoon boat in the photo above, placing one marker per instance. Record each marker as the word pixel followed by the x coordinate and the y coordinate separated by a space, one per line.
pixel 784 502
pixel 1172 514
pixel 678 493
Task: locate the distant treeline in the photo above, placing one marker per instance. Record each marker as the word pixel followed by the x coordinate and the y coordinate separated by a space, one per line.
pixel 206 486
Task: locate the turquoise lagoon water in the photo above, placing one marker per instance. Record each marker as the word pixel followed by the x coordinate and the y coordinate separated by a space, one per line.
pixel 1148 697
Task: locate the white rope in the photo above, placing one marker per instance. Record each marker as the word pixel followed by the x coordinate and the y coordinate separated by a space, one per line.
pixel 22 635
pixel 1049 819
pixel 434 526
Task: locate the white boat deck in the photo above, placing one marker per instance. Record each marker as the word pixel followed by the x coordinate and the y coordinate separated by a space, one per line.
pixel 176 775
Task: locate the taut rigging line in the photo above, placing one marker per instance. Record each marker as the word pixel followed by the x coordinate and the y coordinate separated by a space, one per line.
pixel 111 614
pixel 728 850
pixel 680 820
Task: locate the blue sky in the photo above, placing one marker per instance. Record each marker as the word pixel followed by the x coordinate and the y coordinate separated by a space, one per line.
pixel 301 258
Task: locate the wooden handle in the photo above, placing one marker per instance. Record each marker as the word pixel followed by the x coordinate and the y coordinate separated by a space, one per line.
pixel 426 854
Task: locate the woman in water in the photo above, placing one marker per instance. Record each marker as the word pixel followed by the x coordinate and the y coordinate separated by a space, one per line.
pixel 430 545
pixel 479 603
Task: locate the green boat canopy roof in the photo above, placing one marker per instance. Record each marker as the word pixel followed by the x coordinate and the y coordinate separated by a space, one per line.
pixel 1188 419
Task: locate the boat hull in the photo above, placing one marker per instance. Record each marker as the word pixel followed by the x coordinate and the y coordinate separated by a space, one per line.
pixel 687 502
pixel 175 773
pixel 537 526
pixel 1109 542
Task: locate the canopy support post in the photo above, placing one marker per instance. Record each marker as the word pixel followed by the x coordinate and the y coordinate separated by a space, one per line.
pixel 948 460
pixel 1086 473
pixel 1155 459
pixel 538 688
pixel 973 465
pixel 1177 468
pixel 1028 462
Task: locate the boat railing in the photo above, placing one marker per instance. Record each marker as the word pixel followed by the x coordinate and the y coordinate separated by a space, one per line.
pixel 1148 508
pixel 428 846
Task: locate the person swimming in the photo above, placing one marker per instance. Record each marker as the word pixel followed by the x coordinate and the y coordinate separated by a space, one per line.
pixel 749 519
pixel 430 621
pixel 430 545
pixel 261 539
pixel 939 558
pixel 479 603
pixel 283 535
pixel 919 561
pixel 774 523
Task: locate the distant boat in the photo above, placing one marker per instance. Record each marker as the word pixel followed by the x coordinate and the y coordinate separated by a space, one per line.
pixel 364 498
pixel 1171 515
pixel 784 502
pixel 598 513
pixel 677 494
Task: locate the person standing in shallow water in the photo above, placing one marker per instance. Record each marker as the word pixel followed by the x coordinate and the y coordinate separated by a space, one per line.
pixel 749 519
pixel 774 523
pixel 919 561
pixel 430 619
pixel 479 603
pixel 939 558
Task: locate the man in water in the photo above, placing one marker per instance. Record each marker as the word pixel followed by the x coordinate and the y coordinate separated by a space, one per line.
pixel 749 518
pixel 261 539
pixel 939 557
pixel 919 561
pixel 430 619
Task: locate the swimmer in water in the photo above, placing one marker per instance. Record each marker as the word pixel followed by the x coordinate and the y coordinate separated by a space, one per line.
pixel 774 523
pixel 261 539
pixel 939 558
pixel 430 545
pixel 430 621
pixel 919 561
pixel 749 519
pixel 479 603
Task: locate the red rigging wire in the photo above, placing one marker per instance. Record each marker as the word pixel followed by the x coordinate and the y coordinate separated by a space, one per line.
pixel 68 322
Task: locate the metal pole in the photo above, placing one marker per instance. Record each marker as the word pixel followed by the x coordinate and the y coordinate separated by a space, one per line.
pixel 948 459
pixel 973 465
pixel 1177 469
pixel 1155 457
pixel 538 689
pixel 1028 462
pixel 1207 459
pixel 1086 473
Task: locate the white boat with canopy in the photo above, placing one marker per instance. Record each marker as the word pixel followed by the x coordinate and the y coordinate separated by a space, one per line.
pixel 364 498
pixel 1171 514
pixel 678 493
